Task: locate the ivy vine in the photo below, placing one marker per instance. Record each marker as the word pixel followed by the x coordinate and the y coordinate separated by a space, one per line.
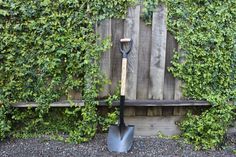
pixel 205 62
pixel 47 49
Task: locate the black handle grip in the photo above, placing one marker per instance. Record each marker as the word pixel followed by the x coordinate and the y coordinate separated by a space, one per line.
pixel 127 51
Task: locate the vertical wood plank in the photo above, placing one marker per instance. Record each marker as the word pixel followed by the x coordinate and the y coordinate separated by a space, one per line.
pixel 104 31
pixel 131 30
pixel 167 111
pixel 129 111
pixel 154 111
pixel 143 60
pixel 169 82
pixel 158 53
pixel 141 111
pixel 178 92
pixel 180 111
pixel 178 85
pixel 117 33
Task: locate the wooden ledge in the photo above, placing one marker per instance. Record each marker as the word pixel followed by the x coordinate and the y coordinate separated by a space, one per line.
pixel 55 104
pixel 159 103
pixel 134 103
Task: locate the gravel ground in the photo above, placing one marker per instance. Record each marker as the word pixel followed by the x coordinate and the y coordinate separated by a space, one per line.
pixel 149 146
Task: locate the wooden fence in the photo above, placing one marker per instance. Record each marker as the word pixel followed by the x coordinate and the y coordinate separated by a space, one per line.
pixel 153 46
pixel 154 99
pixel 147 77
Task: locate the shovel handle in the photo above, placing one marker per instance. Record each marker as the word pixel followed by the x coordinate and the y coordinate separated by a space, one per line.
pixel 125 52
pixel 123 76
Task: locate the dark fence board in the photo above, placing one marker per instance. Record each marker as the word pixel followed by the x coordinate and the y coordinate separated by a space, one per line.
pixel 169 81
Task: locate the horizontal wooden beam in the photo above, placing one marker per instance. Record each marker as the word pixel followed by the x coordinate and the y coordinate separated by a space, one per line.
pixel 55 104
pixel 159 103
pixel 117 103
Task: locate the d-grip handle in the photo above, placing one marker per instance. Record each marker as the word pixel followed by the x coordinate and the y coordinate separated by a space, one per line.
pixel 127 51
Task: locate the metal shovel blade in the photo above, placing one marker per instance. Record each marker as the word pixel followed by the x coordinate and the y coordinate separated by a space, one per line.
pixel 120 140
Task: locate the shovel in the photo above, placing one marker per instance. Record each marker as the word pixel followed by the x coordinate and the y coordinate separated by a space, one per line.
pixel 120 137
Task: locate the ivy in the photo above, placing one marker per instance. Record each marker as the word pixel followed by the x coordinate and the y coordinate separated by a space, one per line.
pixel 149 7
pixel 47 49
pixel 206 63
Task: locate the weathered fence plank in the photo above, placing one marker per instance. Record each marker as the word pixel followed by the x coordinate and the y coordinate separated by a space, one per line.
pixel 178 92
pixel 158 53
pixel 169 82
pixel 141 111
pixel 167 111
pixel 178 84
pixel 104 31
pixel 150 126
pixel 117 34
pixel 131 30
pixel 144 61
pixel 129 111
pixel 181 111
pixel 129 103
pixel 63 103
pixel 154 111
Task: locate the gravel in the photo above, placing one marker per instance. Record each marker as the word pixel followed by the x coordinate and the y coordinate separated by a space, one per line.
pixel 143 146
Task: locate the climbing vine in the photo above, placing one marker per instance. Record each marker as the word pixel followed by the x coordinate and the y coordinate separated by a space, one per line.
pixel 205 62
pixel 47 49
pixel 149 7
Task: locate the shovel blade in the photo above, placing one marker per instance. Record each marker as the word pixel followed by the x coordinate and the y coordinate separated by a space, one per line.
pixel 120 140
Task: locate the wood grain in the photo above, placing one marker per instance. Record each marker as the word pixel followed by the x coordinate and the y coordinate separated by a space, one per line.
pixel 167 111
pixel 154 111
pixel 180 110
pixel 158 53
pixel 150 126
pixel 169 82
pixel 160 103
pixel 178 83
pixel 104 31
pixel 131 30
pixel 123 76
pixel 129 111
pixel 143 61
pixel 130 103
pixel 117 34
pixel 141 111
pixel 55 104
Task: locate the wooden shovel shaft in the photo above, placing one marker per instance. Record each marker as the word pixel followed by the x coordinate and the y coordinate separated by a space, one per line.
pixel 123 76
